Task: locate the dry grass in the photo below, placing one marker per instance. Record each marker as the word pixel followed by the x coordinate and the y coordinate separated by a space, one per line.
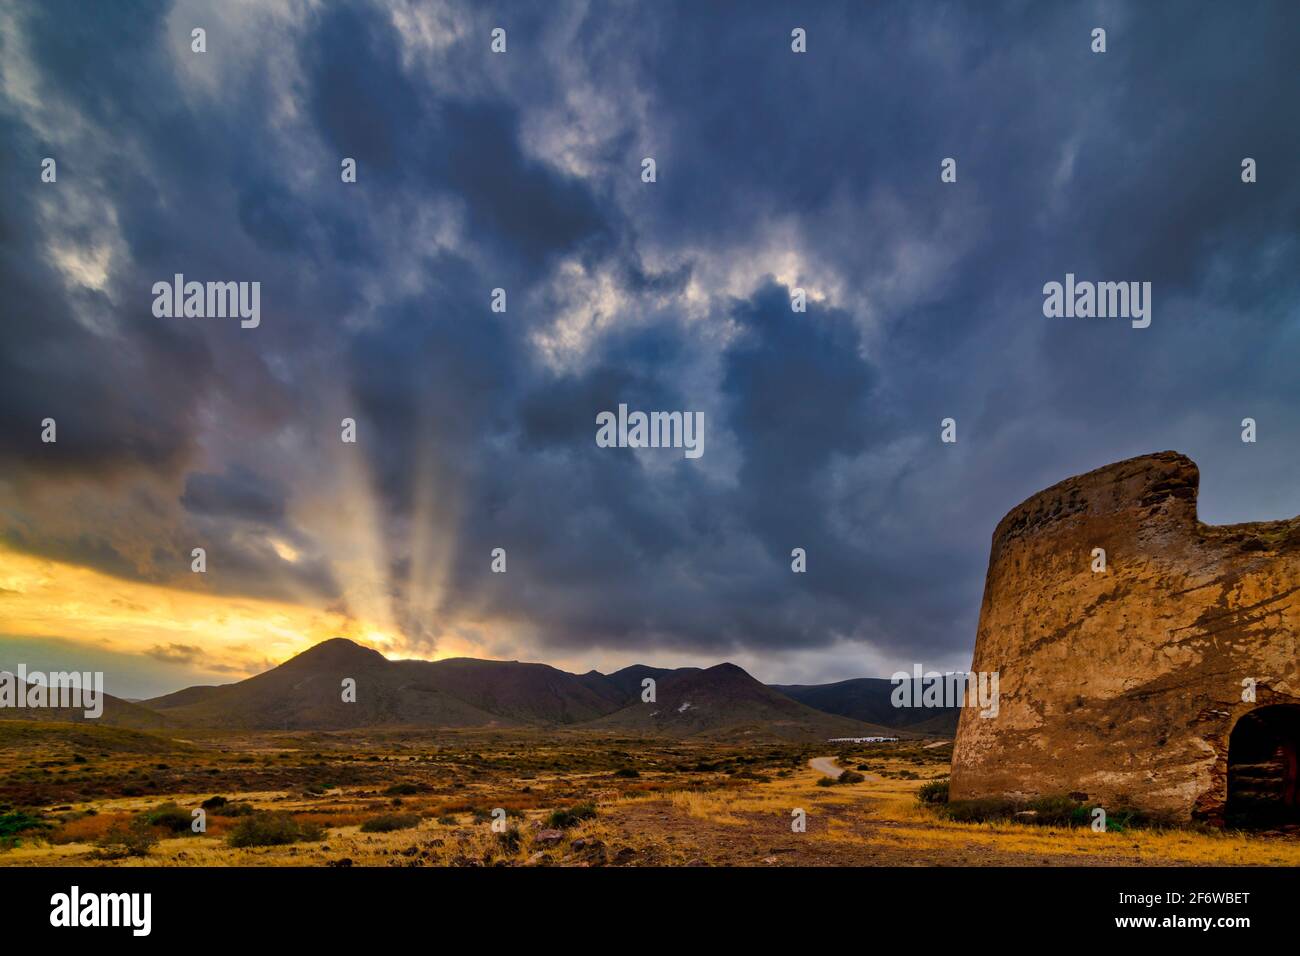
pixel 690 803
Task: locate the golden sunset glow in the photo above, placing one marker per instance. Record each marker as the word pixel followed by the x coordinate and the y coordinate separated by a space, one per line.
pixel 42 598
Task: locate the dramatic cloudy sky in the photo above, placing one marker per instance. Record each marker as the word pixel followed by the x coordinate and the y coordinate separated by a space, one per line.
pixel 522 171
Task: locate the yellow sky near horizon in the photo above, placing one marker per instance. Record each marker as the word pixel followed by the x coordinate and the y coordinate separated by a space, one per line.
pixel 40 597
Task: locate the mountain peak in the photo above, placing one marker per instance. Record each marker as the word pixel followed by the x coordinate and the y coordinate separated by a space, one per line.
pixel 336 651
pixel 728 669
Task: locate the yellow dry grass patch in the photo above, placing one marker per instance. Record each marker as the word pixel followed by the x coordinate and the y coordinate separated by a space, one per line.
pixel 920 827
pixel 780 797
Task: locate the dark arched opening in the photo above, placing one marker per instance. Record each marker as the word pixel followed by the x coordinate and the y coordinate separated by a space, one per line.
pixel 1263 784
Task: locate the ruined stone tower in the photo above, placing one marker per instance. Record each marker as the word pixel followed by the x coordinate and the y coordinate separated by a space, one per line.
pixel 1127 685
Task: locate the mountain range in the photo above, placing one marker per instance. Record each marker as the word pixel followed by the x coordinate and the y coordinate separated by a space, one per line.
pixel 305 693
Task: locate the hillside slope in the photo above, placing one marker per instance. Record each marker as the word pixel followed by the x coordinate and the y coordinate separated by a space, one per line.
pixel 869 699
pixel 725 701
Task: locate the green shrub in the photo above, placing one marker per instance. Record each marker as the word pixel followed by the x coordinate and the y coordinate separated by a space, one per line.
pixel 936 791
pixel 850 776
pixel 272 829
pixel 566 819
pixel 1058 811
pixel 388 822
pixel 1047 811
pixel 12 825
pixel 981 809
pixel 169 816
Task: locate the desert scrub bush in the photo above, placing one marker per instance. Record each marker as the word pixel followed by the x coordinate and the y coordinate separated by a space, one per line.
pixel 510 839
pixel 1058 811
pixel 936 791
pixel 135 838
pixel 1125 818
pixel 388 822
pixel 272 829
pixel 627 772
pixel 447 820
pixel 825 782
pixel 221 807
pixel 850 776
pixel 981 809
pixel 13 825
pixel 401 790
pixel 1054 810
pixel 169 816
pixel 567 819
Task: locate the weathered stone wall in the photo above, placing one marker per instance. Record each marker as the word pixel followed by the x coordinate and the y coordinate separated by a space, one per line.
pixel 1125 685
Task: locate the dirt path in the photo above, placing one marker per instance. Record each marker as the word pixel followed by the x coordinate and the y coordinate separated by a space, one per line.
pixel 826 767
pixel 837 835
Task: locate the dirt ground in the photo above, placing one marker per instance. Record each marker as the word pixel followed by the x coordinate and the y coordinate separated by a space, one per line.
pixel 526 799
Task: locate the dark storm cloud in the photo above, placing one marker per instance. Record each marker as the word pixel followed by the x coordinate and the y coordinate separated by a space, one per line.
pixel 367 107
pixel 237 493
pixel 521 172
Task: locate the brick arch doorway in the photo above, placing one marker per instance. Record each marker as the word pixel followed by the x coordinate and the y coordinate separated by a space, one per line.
pixel 1263 768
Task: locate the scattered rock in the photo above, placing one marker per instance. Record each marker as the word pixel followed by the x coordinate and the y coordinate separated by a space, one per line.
pixel 591 852
pixel 624 856
pixel 552 837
